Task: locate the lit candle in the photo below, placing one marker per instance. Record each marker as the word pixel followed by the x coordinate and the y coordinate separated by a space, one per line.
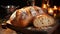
pixel 50 11
pixel 55 8
pixel 44 6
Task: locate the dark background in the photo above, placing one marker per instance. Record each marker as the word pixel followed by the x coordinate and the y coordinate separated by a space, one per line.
pixel 22 3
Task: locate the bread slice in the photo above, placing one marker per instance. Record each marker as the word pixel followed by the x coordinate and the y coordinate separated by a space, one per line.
pixel 43 21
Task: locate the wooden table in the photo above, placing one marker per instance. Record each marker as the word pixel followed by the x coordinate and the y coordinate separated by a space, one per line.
pixel 25 31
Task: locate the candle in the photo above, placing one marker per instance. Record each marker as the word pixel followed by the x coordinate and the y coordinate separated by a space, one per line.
pixel 50 11
pixel 44 6
pixel 55 8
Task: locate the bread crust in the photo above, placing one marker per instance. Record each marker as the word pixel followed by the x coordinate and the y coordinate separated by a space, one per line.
pixel 25 16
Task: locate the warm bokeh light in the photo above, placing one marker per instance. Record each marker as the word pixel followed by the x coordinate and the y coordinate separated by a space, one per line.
pixel 54 14
pixel 44 6
pixel 55 8
pixel 59 9
pixel 8 7
pixel 50 11
pixel 48 5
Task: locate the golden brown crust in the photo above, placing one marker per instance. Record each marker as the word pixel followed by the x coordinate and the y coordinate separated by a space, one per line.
pixel 24 16
pixel 19 21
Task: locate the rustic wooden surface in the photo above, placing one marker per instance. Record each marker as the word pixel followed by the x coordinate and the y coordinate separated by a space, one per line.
pixel 6 31
pixel 9 31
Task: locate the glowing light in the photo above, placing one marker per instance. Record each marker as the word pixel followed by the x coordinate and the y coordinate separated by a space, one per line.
pixel 54 14
pixel 59 9
pixel 55 8
pixel 50 11
pixel 44 6
pixel 8 7
pixel 48 5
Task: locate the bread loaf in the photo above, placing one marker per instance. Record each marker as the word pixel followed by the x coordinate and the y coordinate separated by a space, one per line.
pixel 24 16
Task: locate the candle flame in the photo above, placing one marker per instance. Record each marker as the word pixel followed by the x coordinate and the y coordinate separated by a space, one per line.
pixel 55 7
pixel 44 6
pixel 50 10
